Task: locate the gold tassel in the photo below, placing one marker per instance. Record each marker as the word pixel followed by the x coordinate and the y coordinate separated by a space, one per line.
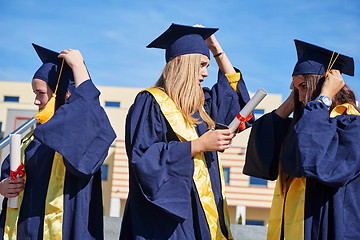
pixel 48 111
pixel 331 63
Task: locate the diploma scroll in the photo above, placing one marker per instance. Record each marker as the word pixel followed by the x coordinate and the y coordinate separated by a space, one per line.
pixel 247 110
pixel 15 156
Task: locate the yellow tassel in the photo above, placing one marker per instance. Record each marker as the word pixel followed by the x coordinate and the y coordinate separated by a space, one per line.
pixel 48 111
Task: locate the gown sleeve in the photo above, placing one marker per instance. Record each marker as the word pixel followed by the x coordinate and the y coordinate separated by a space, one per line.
pixel 264 144
pixel 222 102
pixel 5 168
pixel 162 168
pixel 80 131
pixel 323 148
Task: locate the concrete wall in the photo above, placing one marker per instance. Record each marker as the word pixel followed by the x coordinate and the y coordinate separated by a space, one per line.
pixel 239 232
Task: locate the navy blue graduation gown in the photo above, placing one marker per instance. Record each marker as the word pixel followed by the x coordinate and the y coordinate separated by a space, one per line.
pixel 325 151
pixel 163 202
pixel 81 132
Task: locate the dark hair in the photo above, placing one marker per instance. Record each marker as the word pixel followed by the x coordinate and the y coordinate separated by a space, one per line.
pixel 313 89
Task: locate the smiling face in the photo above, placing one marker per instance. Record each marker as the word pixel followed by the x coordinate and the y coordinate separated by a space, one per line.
pixel 42 92
pixel 204 64
pixel 300 85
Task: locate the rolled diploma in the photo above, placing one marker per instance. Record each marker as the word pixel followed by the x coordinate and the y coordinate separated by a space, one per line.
pixel 15 154
pixel 249 107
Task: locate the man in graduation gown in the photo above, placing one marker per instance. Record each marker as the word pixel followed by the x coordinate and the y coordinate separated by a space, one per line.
pixel 173 194
pixel 318 189
pixel 62 197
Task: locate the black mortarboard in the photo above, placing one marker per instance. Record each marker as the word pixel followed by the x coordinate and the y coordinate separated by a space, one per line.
pixel 50 70
pixel 180 39
pixel 313 59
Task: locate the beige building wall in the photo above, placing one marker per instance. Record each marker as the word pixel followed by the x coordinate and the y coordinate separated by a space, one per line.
pixel 22 90
pixel 250 201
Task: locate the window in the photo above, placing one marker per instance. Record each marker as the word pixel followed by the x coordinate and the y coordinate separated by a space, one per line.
pixel 226 171
pixel 259 111
pixel 19 121
pixel 258 182
pixel 255 222
pixel 1 133
pixel 104 172
pixel 112 104
pixel 11 99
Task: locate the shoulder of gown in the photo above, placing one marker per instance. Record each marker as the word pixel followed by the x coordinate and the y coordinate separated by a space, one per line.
pixel 162 169
pixel 323 148
pixel 80 131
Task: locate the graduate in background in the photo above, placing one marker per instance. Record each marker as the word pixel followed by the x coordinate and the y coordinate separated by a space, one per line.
pixel 317 191
pixel 62 197
pixel 175 175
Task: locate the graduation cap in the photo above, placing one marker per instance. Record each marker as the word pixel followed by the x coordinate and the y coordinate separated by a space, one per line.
pixel 313 59
pixel 50 70
pixel 58 75
pixel 180 39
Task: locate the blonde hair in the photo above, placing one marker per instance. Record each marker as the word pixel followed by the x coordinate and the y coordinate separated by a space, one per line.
pixel 179 80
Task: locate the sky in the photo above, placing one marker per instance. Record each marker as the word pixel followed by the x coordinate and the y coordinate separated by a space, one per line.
pixel 258 36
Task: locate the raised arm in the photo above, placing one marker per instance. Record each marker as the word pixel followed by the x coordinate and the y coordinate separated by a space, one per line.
pixel 287 107
pixel 221 59
pixel 75 60
pixel 220 56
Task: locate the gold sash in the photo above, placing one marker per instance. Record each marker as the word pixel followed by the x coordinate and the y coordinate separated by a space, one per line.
pixel 12 214
pixel 295 198
pixel 53 204
pixel 187 132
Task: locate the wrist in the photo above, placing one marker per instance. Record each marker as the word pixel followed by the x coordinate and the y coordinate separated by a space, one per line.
pixel 215 49
pixel 325 100
pixel 78 66
pixel 196 147
pixel 218 54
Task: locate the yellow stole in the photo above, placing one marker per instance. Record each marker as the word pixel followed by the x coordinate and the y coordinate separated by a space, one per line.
pixel 53 205
pixel 12 214
pixel 294 199
pixel 187 132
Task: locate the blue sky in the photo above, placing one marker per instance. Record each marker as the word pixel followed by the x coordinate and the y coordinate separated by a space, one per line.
pixel 112 35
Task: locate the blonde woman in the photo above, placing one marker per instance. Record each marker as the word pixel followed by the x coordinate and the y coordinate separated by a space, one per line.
pixel 176 189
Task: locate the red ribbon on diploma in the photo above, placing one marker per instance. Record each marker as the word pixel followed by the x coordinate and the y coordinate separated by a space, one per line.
pixel 243 120
pixel 19 171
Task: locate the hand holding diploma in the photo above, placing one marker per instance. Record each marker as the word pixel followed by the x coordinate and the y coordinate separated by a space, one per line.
pixel 16 167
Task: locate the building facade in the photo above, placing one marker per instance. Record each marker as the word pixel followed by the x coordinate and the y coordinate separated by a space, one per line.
pixel 249 199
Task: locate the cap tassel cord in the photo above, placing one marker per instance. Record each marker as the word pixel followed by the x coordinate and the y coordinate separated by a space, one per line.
pixel 331 63
pixel 48 111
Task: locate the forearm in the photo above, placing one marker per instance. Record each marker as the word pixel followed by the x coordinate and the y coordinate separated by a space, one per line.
pixel 196 147
pixel 220 56
pixel 80 74
pixel 286 108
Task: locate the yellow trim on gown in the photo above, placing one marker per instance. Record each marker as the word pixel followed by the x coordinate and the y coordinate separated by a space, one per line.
pixel 294 200
pixel 187 132
pixel 53 204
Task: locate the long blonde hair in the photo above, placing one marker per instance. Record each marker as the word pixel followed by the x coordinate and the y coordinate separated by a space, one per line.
pixel 179 80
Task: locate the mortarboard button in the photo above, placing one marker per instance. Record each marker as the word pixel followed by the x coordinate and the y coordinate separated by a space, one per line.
pixel 180 39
